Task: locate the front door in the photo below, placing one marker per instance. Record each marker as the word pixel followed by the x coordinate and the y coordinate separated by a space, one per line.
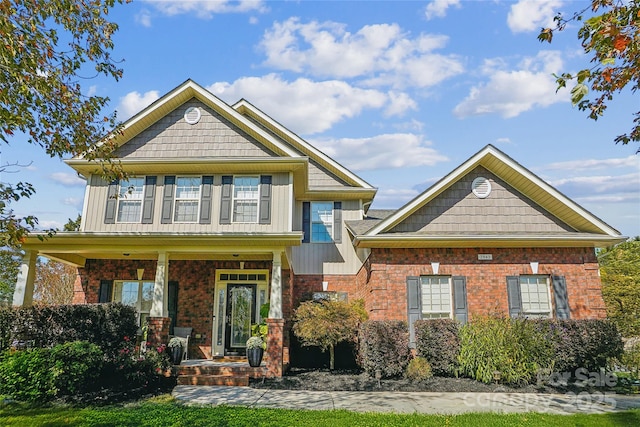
pixel 240 314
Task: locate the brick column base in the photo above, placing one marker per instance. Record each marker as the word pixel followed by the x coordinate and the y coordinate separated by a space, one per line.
pixel 275 348
pixel 158 331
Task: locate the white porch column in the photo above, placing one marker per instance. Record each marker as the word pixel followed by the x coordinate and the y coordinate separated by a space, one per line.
pixel 275 301
pixel 23 294
pixel 160 304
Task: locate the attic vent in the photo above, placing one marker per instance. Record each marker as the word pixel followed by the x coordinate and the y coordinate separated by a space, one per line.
pixel 192 115
pixel 481 187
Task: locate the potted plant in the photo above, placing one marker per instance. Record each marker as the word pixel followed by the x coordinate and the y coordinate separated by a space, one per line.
pixel 255 351
pixel 175 350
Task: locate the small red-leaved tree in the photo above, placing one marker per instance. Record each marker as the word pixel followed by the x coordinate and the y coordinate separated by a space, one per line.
pixel 326 323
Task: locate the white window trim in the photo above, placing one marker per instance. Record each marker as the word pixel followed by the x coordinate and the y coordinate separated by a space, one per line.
pixel 121 198
pixel 537 314
pixel 234 199
pixel 450 313
pixel 311 222
pixel 138 305
pixel 176 199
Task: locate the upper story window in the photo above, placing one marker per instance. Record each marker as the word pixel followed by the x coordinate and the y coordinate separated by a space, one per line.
pixel 534 292
pixel 187 199
pixel 246 195
pixel 436 296
pixel 321 221
pixel 130 195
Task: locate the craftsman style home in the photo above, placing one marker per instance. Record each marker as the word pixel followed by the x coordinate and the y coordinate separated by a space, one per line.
pixel 225 210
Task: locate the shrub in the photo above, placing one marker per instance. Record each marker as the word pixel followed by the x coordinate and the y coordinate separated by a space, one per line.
pixel 26 375
pixel 76 366
pixel 506 350
pixel 384 346
pixel 438 341
pixel 6 316
pixel 631 357
pixel 128 373
pixel 418 369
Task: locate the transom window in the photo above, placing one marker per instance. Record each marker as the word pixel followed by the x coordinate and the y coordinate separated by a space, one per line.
pixel 130 194
pixel 322 221
pixel 534 291
pixel 135 294
pixel 436 296
pixel 246 194
pixel 187 198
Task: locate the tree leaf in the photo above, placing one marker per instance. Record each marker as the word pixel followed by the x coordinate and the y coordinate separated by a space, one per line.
pixel 578 92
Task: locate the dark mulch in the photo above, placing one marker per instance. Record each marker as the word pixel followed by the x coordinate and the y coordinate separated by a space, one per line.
pixel 351 380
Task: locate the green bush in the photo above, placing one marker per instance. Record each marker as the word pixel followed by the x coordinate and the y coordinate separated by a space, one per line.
pixel 6 320
pixel 76 367
pixel 438 341
pixel 26 375
pixel 631 357
pixel 384 346
pixel 510 351
pixel 418 369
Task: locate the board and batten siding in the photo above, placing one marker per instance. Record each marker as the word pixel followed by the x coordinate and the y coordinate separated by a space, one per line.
pixel 458 210
pixel 327 258
pixel 280 210
pixel 172 137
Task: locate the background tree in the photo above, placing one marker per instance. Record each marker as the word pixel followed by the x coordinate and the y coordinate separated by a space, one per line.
pixel 9 266
pixel 620 272
pixel 327 323
pixel 54 282
pixel 47 47
pixel 72 225
pixel 612 37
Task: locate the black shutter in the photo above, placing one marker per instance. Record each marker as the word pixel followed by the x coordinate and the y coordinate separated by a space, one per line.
pixel 513 294
pixel 265 200
pixel 112 203
pixel 105 292
pixel 337 222
pixel 173 304
pixel 561 297
pixel 414 307
pixel 225 201
pixel 460 311
pixel 205 200
pixel 167 199
pixel 149 198
pixel 306 222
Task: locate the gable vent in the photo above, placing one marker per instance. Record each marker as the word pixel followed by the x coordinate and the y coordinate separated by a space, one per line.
pixel 192 115
pixel 481 187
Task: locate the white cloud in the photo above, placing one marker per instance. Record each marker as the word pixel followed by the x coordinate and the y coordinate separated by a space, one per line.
pixel 134 102
pixel 586 186
pixel 512 92
pixel 76 202
pixel 399 103
pixel 92 90
pixel 392 198
pixel 68 179
pixel 503 140
pixel 46 225
pixel 593 164
pixel 381 54
pixel 304 106
pixel 386 151
pixel 438 8
pixel 206 9
pixel 531 15
pixel 143 18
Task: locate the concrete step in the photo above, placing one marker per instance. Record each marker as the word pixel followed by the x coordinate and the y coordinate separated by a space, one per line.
pixel 225 380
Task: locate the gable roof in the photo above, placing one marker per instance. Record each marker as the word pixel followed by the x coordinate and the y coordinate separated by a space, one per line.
pixel 587 227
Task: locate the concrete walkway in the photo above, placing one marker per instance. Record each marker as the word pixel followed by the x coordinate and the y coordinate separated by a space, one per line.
pixel 406 402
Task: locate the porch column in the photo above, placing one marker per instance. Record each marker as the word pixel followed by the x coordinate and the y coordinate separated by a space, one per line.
pixel 160 304
pixel 275 300
pixel 23 294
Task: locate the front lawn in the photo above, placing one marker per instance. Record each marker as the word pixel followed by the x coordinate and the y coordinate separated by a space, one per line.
pixel 164 411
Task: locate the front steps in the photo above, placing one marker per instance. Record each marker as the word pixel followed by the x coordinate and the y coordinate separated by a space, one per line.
pixel 227 371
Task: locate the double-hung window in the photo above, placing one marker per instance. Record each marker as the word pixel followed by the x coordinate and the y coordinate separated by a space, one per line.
pixel 187 199
pixel 136 294
pixel 534 292
pixel 436 297
pixel 130 195
pixel 321 221
pixel 246 194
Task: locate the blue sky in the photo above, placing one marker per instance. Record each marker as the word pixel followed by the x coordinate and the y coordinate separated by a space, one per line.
pixel 399 92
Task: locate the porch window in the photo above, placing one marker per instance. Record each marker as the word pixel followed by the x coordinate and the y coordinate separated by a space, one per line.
pixel 246 194
pixel 187 199
pixel 135 294
pixel 436 296
pixel 322 221
pixel 534 291
pixel 130 195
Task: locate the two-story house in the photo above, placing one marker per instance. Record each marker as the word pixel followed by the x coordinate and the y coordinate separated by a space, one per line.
pixel 225 210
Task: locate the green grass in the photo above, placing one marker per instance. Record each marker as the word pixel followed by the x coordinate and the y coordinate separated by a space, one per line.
pixel 166 412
